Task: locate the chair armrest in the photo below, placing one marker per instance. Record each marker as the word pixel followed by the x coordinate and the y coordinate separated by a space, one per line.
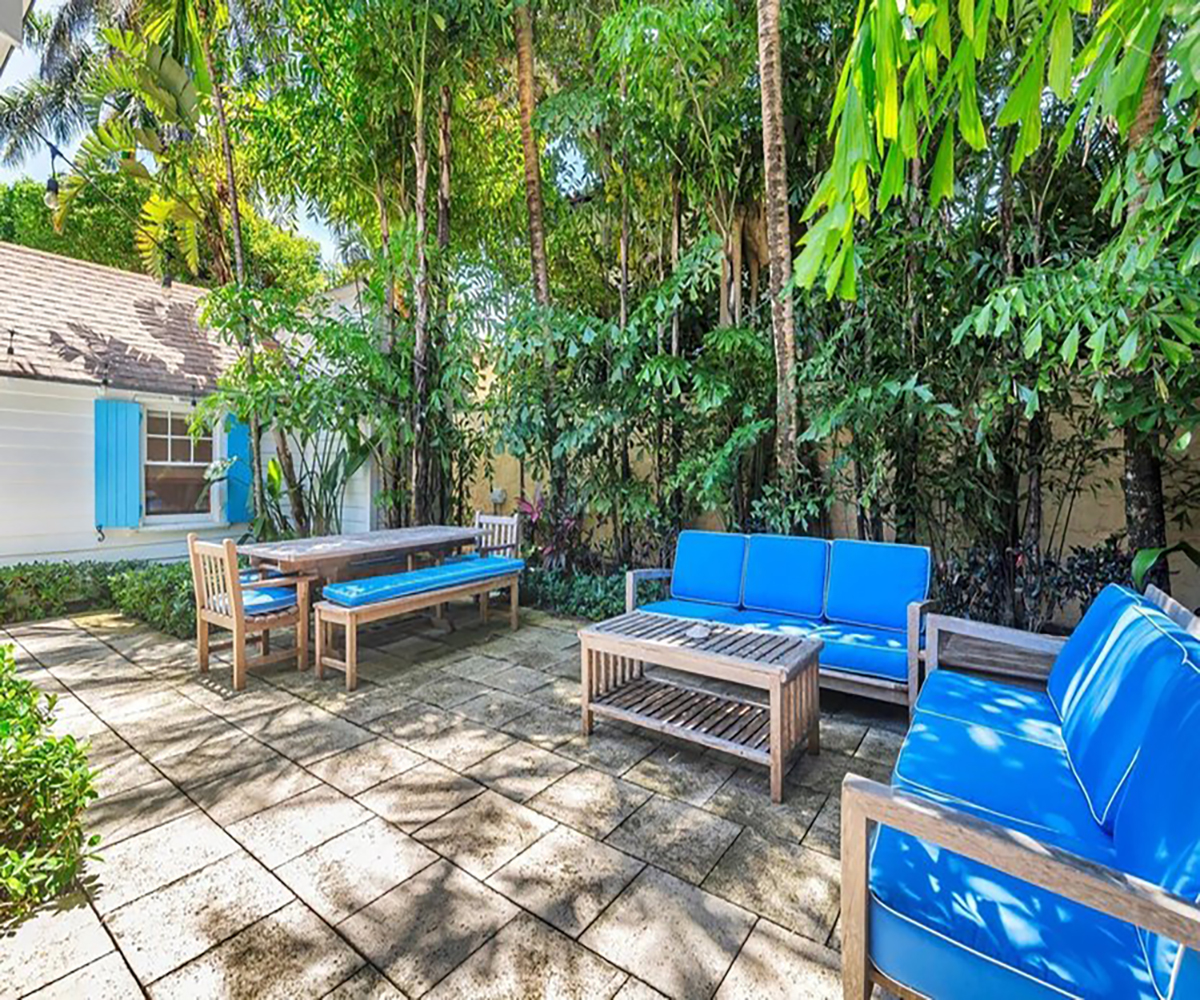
pixel 997 649
pixel 635 576
pixel 917 612
pixel 1087 882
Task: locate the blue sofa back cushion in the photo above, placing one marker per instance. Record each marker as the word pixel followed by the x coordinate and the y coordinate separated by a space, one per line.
pixel 708 567
pixel 372 590
pixel 786 574
pixel 1157 829
pixel 1114 698
pixel 872 583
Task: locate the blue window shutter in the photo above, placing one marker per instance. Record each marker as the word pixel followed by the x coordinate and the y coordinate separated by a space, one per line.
pixel 238 507
pixel 118 449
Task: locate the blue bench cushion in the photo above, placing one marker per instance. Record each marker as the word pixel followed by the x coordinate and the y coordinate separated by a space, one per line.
pixel 861 649
pixel 708 567
pixel 873 583
pixel 785 574
pixel 1157 827
pixel 948 927
pixel 373 590
pixel 1006 708
pixel 1023 785
pixel 693 609
pixel 267 600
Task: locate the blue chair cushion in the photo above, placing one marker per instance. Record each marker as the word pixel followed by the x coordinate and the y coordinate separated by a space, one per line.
pixel 708 567
pixel 1114 699
pixel 945 926
pixel 373 590
pixel 267 600
pixel 861 649
pixel 1006 708
pixel 785 574
pixel 873 583
pixel 693 609
pixel 1026 786
pixel 251 575
pixel 1157 827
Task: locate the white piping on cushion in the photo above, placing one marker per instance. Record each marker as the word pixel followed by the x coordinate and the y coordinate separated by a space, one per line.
pixel 973 806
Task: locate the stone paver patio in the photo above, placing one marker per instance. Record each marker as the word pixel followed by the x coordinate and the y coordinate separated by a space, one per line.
pixel 443 831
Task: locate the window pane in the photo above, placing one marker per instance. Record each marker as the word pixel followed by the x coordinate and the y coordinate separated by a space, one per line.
pixel 202 451
pixel 179 426
pixel 181 449
pixel 156 423
pixel 173 489
pixel 156 449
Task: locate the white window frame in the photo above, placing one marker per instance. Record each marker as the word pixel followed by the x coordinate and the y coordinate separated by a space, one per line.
pixel 215 516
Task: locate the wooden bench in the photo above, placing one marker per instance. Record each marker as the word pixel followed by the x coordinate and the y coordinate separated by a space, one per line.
pixel 359 602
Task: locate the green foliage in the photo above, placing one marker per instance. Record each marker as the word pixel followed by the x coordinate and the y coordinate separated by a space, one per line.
pixel 592 596
pixel 159 594
pixel 31 591
pixel 1147 559
pixel 45 787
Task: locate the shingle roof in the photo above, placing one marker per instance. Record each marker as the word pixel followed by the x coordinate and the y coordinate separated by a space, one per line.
pixel 72 321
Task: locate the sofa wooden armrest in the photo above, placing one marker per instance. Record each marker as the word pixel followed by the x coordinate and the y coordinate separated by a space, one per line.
pixel 634 576
pixel 1087 882
pixel 989 649
pixel 918 612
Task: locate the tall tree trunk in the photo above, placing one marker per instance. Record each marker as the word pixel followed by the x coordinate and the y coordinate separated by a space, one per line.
pixel 676 227
pixel 443 195
pixel 441 475
pixel 909 442
pixel 1145 505
pixel 779 237
pixel 421 493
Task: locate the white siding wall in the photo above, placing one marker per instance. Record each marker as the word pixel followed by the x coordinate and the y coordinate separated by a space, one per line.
pixel 356 505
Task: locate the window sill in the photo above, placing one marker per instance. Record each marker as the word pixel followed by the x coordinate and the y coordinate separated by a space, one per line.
pixel 182 524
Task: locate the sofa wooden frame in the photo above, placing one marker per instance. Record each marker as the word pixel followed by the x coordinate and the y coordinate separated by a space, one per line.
pixel 866 803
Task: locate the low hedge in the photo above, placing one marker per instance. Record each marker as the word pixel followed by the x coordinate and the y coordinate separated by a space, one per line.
pixel 160 594
pixel 582 595
pixel 45 786
pixel 29 591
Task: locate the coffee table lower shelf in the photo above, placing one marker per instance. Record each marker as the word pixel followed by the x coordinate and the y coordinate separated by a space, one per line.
pixel 721 722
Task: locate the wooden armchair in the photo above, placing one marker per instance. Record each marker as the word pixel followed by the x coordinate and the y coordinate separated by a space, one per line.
pixel 248 608
pixel 501 534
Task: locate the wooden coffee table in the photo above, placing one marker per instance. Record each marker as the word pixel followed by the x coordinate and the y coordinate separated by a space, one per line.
pixel 613 653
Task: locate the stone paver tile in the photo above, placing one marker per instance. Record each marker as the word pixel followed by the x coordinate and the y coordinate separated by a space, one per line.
pixel 461 744
pixel 287 830
pixel 56 940
pixel 826 771
pixel 528 959
pixel 215 692
pixel 141 864
pixel 562 692
pixel 674 936
pixel 364 704
pixel 635 989
pixel 162 931
pixel 566 878
pixel 357 769
pixel 542 658
pixel 343 875
pixel 446 691
pixel 591 801
pixel 366 984
pixel 494 708
pixel 684 840
pixel 475 667
pixel 608 749
pixel 787 883
pixel 128 813
pixel 518 680
pixel 119 772
pixel 520 770
pixel 412 647
pixel 427 926
pixel 682 774
pixel 775 964
pixel 215 759
pixel 825 834
pixel 244 793
pixel 746 798
pixel 305 733
pixel 180 731
pixel 395 675
pixel 291 953
pixel 548 727
pixel 841 735
pixel 107 978
pixel 73 718
pixel 880 746
pixel 485 833
pixel 419 796
pixel 413 722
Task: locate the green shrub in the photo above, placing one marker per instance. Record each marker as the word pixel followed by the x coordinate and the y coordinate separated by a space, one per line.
pixel 45 786
pixel 582 595
pixel 160 594
pixel 30 591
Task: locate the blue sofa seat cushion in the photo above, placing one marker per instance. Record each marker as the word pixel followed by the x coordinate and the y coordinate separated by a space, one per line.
pixel 693 609
pixel 373 590
pixel 860 649
pixel 1023 785
pixel 785 574
pixel 946 926
pixel 708 567
pixel 263 600
pixel 1006 708
pixel 873 583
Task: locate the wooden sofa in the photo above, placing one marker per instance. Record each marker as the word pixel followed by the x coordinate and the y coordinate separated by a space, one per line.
pixel 867 601
pixel 1039 839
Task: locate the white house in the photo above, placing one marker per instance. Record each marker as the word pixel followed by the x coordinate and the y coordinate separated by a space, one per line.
pixel 99 370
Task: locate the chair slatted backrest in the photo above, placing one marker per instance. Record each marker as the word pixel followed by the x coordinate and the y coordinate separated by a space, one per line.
pixel 501 533
pixel 215 576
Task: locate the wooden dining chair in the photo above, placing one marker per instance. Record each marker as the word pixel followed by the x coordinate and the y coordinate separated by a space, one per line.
pixel 501 534
pixel 249 608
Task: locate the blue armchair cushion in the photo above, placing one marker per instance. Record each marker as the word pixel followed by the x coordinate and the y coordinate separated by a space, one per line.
pixel 1157 827
pixel 373 590
pixel 873 583
pixel 708 567
pixel 946 926
pixel 1006 708
pixel 859 649
pixel 264 600
pixel 785 574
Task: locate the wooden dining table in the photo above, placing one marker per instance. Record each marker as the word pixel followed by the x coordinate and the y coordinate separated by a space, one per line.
pixel 341 557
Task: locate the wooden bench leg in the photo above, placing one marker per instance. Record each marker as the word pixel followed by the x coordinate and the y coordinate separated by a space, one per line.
pixel 585 677
pixel 202 644
pixel 239 658
pixel 514 609
pixel 856 962
pixel 814 709
pixel 351 652
pixel 320 630
pixel 266 641
pixel 483 607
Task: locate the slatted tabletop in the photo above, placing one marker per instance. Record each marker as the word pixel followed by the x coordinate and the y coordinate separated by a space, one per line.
pixel 327 550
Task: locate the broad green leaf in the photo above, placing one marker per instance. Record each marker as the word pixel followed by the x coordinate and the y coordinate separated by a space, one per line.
pixel 1128 349
pixel 1070 347
pixel 966 17
pixel 941 182
pixel 1061 44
